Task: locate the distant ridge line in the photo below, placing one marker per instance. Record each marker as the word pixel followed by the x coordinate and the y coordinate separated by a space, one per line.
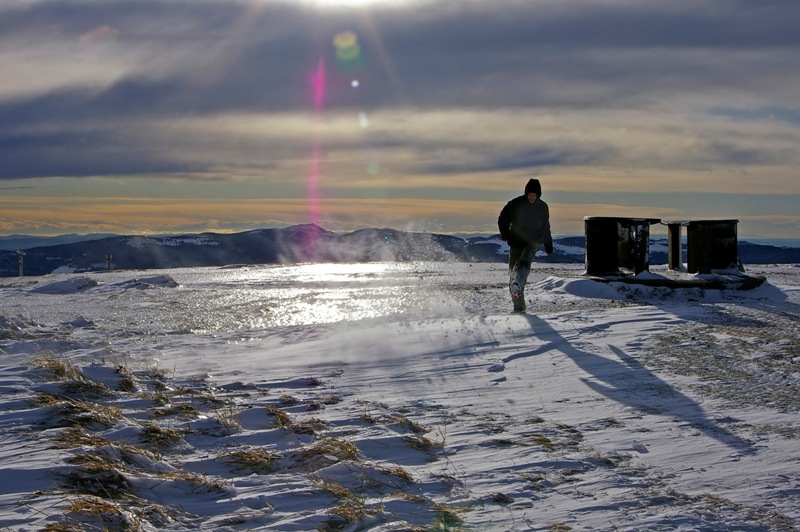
pixel 308 243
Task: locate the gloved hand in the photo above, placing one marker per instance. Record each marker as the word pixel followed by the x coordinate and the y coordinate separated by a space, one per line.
pixel 548 248
pixel 503 237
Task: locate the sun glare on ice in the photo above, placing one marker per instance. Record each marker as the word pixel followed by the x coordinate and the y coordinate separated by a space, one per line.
pixel 306 294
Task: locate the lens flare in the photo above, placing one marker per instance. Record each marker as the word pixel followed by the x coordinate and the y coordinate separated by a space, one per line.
pixel 318 81
pixel 347 49
pixel 318 86
pixel 345 40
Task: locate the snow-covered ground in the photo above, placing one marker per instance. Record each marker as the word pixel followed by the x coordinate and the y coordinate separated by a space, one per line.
pixel 396 397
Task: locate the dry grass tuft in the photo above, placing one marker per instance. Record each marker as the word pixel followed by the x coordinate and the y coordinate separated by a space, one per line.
pixel 410 497
pixel 181 410
pixel 63 527
pixel 58 369
pixel 536 481
pixel 368 417
pixel 128 381
pixel 281 418
pixel 107 515
pixel 407 424
pixel 337 490
pixel 447 517
pixel 73 437
pixel 91 462
pixel 85 388
pixel 604 460
pixel 200 483
pixel 308 427
pixel 421 443
pixel 188 392
pixel 99 479
pixel 78 413
pixel 159 398
pixel 288 400
pixel 46 399
pixel 341 449
pixel 256 460
pixel 400 473
pixel 331 399
pixel 106 511
pixel 324 452
pixel 159 437
pixel 229 416
pixel 346 514
pixel 542 441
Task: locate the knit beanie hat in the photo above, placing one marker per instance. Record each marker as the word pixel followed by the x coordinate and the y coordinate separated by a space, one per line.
pixel 534 186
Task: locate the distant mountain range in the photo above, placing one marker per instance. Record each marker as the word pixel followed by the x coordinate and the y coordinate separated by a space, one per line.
pixel 10 243
pixel 301 243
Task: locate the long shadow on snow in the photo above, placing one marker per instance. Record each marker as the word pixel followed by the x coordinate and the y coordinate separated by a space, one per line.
pixel 632 384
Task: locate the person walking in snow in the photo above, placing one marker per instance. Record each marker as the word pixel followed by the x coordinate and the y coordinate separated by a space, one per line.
pixel 525 224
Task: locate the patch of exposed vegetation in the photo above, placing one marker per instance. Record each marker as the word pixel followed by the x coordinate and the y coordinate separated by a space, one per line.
pixel 160 437
pixel 56 369
pixel 105 482
pixel 756 368
pixel 253 460
pixel 66 412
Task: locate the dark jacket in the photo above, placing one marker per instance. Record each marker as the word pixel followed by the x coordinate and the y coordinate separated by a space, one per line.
pixel 522 223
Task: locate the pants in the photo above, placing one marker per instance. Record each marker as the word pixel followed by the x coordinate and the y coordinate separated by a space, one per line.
pixel 519 265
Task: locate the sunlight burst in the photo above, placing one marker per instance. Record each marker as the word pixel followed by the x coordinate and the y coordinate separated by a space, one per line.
pixel 358 3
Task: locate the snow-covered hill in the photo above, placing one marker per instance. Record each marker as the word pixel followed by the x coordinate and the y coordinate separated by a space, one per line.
pixel 396 395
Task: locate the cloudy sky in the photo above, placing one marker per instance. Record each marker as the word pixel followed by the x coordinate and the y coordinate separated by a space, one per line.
pixel 153 116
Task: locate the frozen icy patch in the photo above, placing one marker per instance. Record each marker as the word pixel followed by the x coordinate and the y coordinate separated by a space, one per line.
pixel 158 281
pixel 78 323
pixel 68 286
pixel 14 323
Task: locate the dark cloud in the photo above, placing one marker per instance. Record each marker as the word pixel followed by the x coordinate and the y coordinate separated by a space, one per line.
pixel 781 114
pixel 276 47
pixel 136 20
pixel 726 152
pixel 204 57
pixel 453 53
pixel 79 154
pixel 497 160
